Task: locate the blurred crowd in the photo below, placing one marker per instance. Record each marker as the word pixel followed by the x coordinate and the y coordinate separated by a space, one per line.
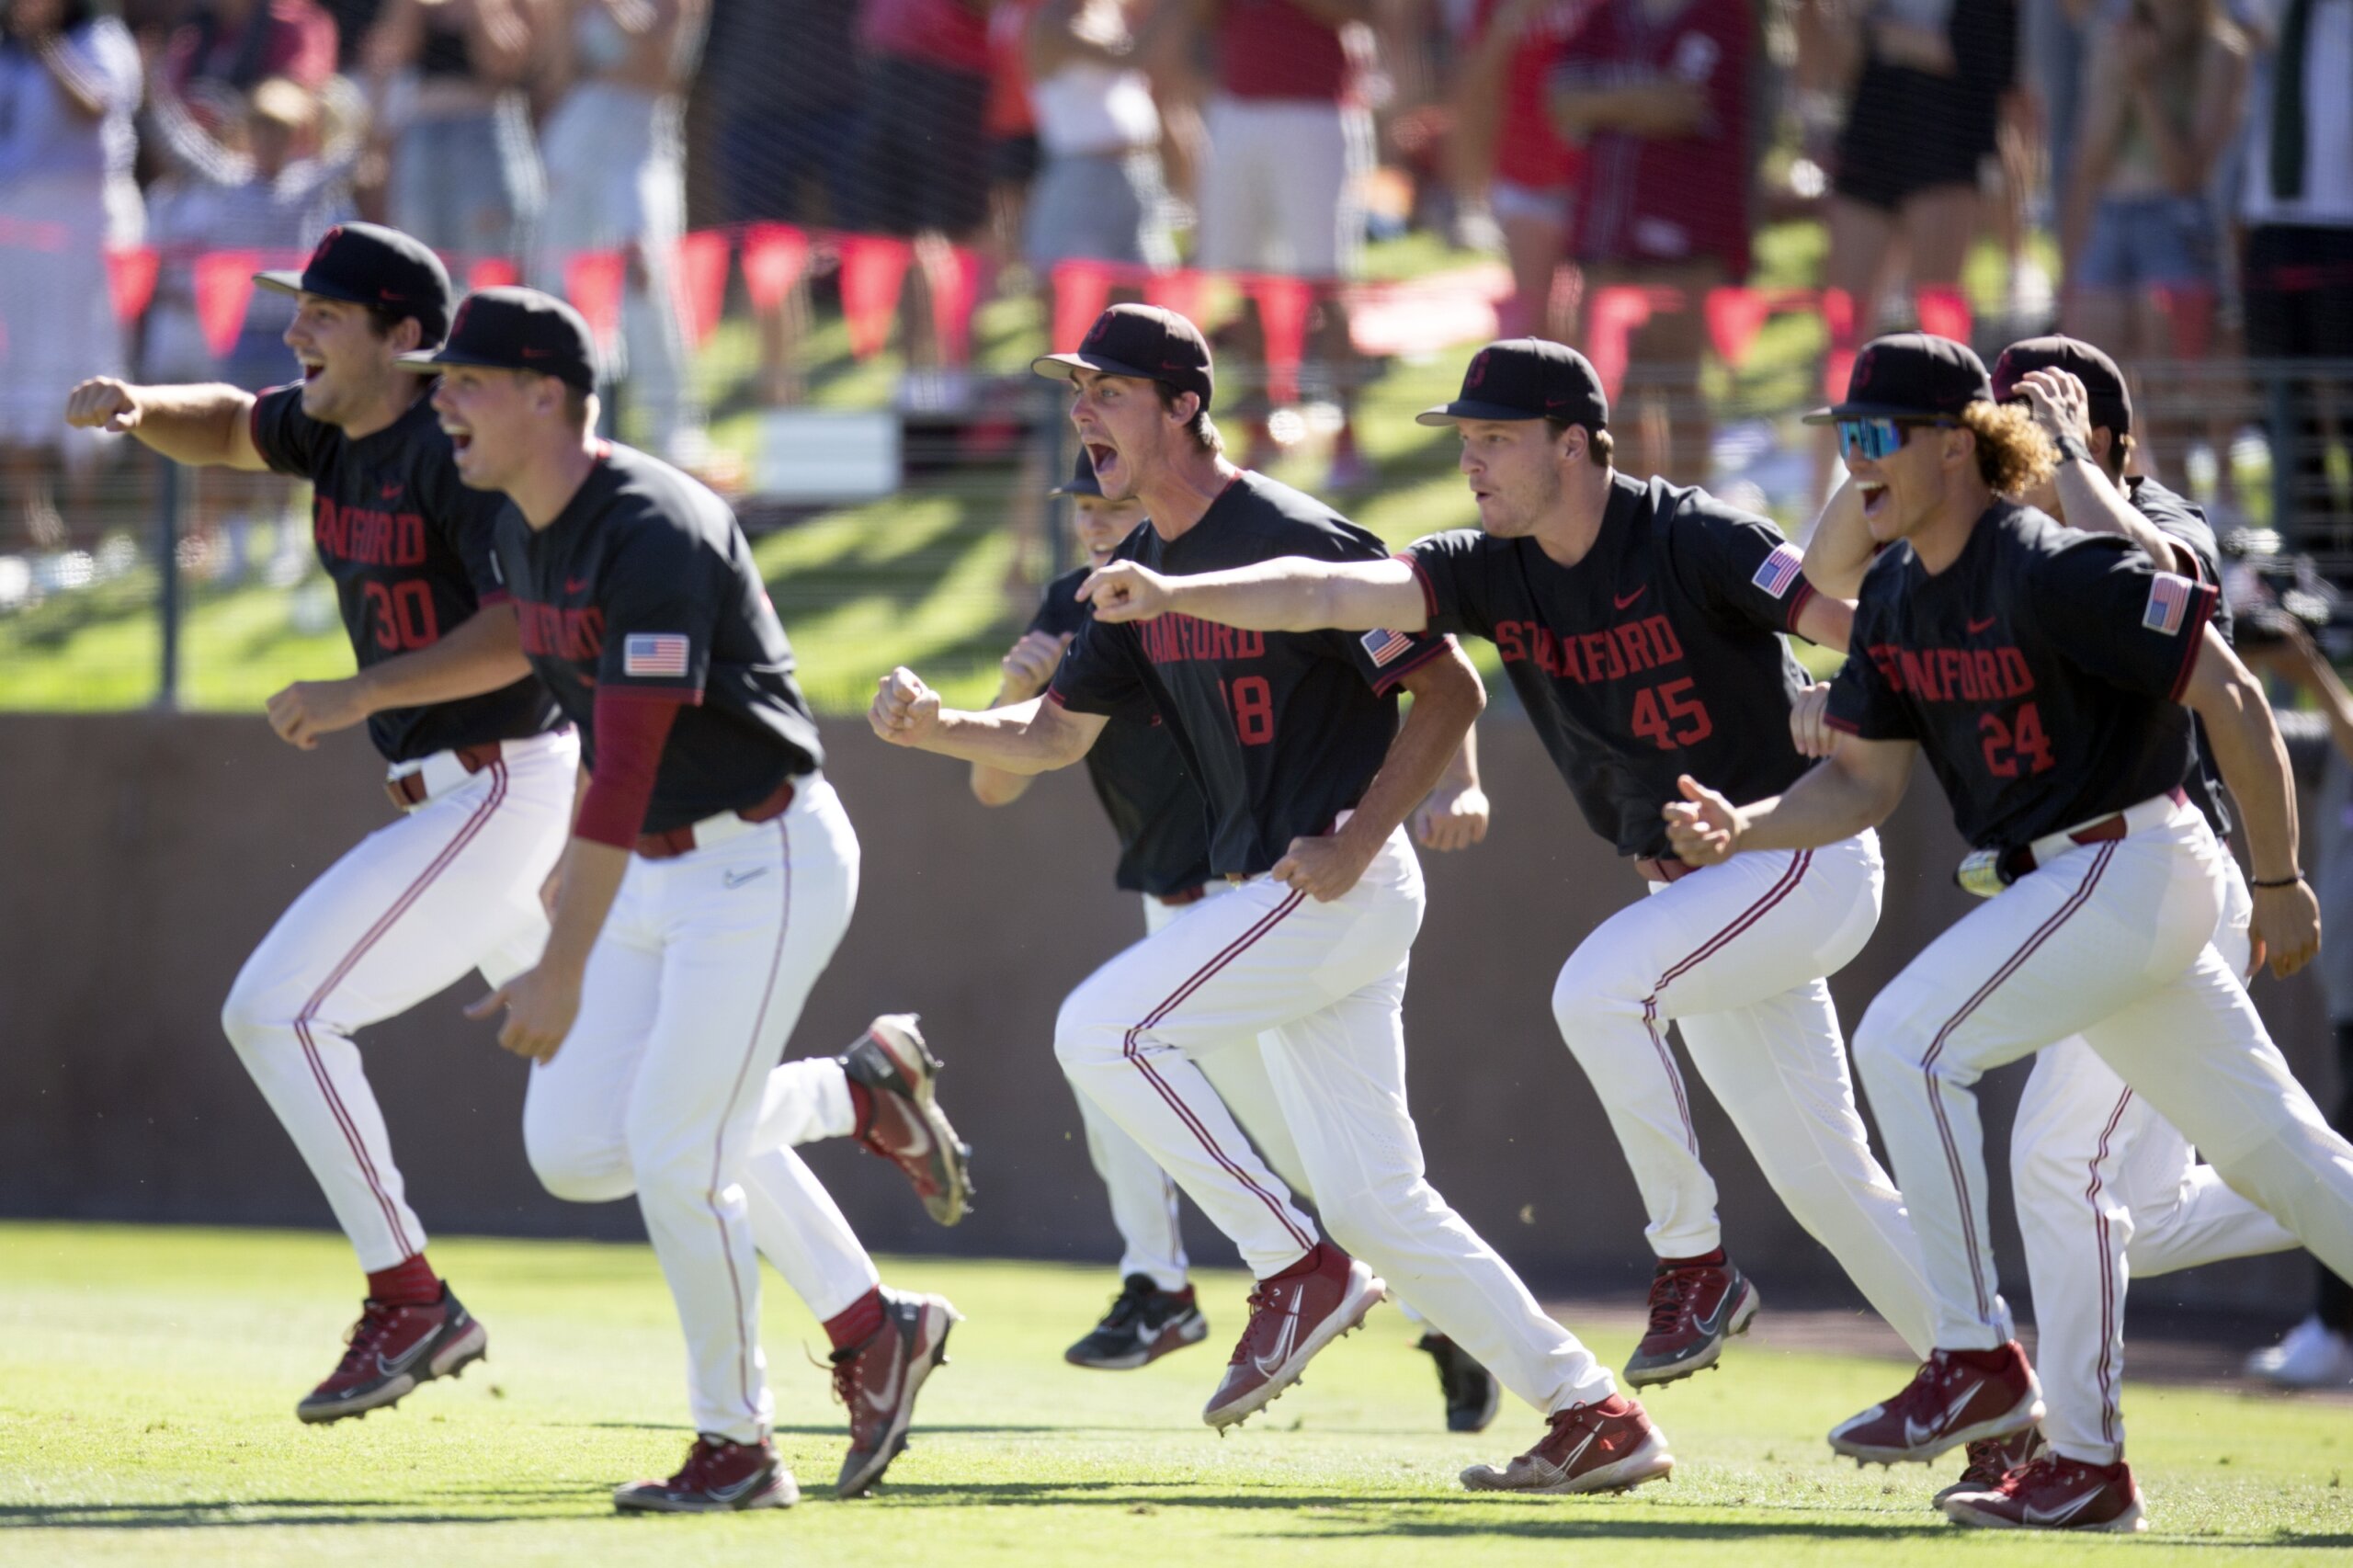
pixel 2190 162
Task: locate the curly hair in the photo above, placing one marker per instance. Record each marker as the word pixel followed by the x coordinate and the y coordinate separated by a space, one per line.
pixel 2013 454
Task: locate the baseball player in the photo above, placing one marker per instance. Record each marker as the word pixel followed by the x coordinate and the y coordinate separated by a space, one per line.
pixel 1641 625
pixel 708 876
pixel 1139 776
pixel 2107 1187
pixel 1294 741
pixel 481 762
pixel 2044 672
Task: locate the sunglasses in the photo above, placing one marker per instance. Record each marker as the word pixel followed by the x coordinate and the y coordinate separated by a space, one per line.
pixel 1871 439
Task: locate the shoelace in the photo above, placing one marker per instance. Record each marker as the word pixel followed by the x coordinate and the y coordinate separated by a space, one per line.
pixel 2043 1466
pixel 1668 1297
pixel 361 1339
pixel 1262 1296
pixel 1989 1461
pixel 1128 1306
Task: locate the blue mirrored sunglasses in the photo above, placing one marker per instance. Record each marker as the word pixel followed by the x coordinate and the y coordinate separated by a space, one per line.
pixel 1871 439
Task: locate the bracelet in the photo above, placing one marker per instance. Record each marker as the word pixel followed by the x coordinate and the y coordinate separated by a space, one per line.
pixel 2282 883
pixel 2072 449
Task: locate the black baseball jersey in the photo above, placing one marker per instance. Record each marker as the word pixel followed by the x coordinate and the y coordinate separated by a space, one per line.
pixel 1139 775
pixel 2042 673
pixel 644 583
pixel 2185 525
pixel 1282 729
pixel 1657 654
pixel 409 549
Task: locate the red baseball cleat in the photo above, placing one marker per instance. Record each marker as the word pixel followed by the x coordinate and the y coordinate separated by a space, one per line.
pixel 719 1477
pixel 1957 1397
pixel 2055 1493
pixel 1694 1310
pixel 1144 1323
pixel 879 1381
pixel 1990 1458
pixel 906 1126
pixel 392 1349
pixel 1609 1446
pixel 1290 1319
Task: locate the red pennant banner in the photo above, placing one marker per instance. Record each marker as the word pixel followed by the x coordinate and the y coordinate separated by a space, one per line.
pixel 775 255
pixel 1735 318
pixel 698 283
pixel 1186 293
pixel 874 267
pixel 955 277
pixel 1611 322
pixel 1943 310
pixel 593 281
pixel 493 272
pixel 130 280
pixel 1283 304
pixel 1081 288
pixel 225 283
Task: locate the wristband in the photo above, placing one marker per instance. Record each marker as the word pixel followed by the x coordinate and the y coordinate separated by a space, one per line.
pixel 2282 883
pixel 2071 447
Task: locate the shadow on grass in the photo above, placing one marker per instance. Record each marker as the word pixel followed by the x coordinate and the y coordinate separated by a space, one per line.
pixel 248 1513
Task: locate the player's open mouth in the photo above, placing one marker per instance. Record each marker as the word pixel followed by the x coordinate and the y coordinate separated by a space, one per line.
pixel 313 369
pixel 1104 456
pixel 460 438
pixel 1872 495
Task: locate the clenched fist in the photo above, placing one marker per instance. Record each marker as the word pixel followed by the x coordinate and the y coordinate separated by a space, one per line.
pixel 905 711
pixel 105 403
pixel 1030 663
pixel 1703 827
pixel 1125 591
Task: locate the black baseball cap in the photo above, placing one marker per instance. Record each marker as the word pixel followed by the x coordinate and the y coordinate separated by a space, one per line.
pixel 516 329
pixel 1140 340
pixel 1527 378
pixel 1082 478
pixel 368 264
pixel 2111 405
pixel 1910 375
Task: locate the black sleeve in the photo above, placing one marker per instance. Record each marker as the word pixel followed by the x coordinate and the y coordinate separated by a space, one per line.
pixel 1741 567
pixel 1864 698
pixel 288 440
pixel 659 595
pixel 1059 613
pixel 1450 569
pixel 2110 612
pixel 2184 525
pixel 1098 673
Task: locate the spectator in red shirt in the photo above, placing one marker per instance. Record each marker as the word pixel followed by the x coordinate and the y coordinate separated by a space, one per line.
pixel 1657 92
pixel 1291 149
pixel 923 158
pixel 1530 174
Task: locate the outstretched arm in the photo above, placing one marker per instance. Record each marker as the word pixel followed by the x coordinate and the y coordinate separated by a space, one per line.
pixel 207 426
pixel 1036 737
pixel 1854 788
pixel 1287 595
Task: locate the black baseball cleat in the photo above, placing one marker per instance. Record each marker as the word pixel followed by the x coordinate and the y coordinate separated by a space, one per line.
pixel 1144 1323
pixel 391 1350
pixel 719 1477
pixel 906 1125
pixel 1471 1393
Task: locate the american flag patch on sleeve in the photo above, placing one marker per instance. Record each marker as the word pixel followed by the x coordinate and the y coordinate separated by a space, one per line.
pixel 2168 603
pixel 1385 645
pixel 1779 570
pixel 654 653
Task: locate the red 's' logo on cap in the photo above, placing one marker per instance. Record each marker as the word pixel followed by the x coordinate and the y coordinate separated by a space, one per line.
pixel 1478 372
pixel 1097 333
pixel 326 243
pixel 1863 368
pixel 459 325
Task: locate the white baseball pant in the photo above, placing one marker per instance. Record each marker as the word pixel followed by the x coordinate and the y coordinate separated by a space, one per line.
pixel 452 886
pixel 697 980
pixel 2107 1189
pixel 2112 941
pixel 1327 982
pixel 1735 956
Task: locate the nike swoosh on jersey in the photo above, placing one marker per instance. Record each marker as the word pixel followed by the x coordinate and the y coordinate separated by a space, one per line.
pixel 1629 598
pixel 1914 1433
pixel 576 585
pixel 1977 626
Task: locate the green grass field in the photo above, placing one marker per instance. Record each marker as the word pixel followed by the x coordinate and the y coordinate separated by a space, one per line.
pixel 148 1378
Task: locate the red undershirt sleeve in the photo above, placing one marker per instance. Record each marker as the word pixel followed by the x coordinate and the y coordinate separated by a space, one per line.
pixel 631 732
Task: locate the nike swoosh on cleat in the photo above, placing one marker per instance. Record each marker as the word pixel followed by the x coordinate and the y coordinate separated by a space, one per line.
pixel 406 1359
pixel 1268 1366
pixel 2035 1516
pixel 1713 1323
pixel 1914 1433
pixel 742 1488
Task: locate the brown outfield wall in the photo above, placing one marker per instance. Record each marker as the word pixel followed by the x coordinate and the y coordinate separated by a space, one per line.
pixel 146 854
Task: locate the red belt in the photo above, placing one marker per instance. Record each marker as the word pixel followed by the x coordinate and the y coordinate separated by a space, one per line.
pixel 1666 869
pixel 408 790
pixel 679 840
pixel 1184 896
pixel 2020 861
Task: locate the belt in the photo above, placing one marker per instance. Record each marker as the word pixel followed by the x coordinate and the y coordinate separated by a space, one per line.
pixel 1988 872
pixel 1664 869
pixel 713 830
pixel 1184 896
pixel 432 775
